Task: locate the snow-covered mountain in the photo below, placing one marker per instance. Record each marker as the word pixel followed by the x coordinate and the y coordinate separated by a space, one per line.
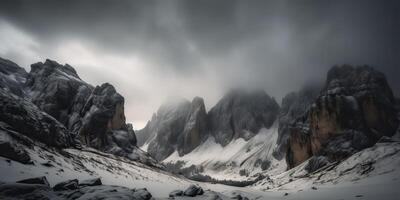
pixel 339 141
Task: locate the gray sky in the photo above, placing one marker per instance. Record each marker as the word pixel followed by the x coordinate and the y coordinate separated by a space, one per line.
pixel 150 50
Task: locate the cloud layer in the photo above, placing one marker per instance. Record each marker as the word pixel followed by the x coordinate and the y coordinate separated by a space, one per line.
pixel 151 50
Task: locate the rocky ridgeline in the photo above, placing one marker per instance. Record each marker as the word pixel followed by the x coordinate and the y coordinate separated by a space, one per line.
pixel 51 104
pixel 182 125
pixel 353 111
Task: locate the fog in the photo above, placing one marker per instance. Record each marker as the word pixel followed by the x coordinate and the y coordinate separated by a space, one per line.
pixel 152 50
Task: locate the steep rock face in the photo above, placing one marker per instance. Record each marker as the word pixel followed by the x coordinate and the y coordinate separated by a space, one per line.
pixel 179 125
pixel 355 109
pixel 241 114
pixel 25 118
pixel 12 77
pixel 104 120
pixel 58 90
pixel 294 105
pixel 195 128
pixel 53 105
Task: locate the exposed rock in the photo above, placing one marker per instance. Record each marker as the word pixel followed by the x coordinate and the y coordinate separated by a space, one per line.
pixel 26 191
pixel 12 77
pixel 67 185
pixel 12 150
pixel 57 90
pixel 195 130
pixel 25 118
pixel 179 125
pixel 176 193
pixel 241 114
pixel 91 182
pixel 315 163
pixel 35 189
pixel 38 180
pixel 355 109
pixel 193 190
pixel 294 105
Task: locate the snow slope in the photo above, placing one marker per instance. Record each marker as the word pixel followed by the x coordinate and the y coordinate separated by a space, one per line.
pixel 252 156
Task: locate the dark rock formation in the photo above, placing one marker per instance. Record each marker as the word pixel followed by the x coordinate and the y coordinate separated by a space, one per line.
pixel 176 193
pixel 178 125
pixel 35 188
pixel 182 125
pixel 12 77
pixel 57 90
pixel 10 149
pixel 91 182
pixel 355 109
pixel 37 180
pixel 54 106
pixel 67 185
pixel 294 105
pixel 195 130
pixel 25 118
pixel 241 114
pixel 193 190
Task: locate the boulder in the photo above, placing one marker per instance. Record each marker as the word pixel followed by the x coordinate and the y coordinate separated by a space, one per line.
pixel 38 180
pixel 91 182
pixel 176 193
pixel 193 190
pixel 67 185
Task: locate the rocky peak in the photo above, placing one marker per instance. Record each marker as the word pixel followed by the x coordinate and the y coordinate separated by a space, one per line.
pixel 242 114
pixel 12 77
pixel 179 125
pixel 356 108
pixel 195 130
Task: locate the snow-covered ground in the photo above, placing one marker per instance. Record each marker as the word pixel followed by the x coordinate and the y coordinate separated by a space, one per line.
pixel 226 162
pixel 348 180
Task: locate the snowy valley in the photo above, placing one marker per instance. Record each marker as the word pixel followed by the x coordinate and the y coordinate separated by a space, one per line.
pixel 336 141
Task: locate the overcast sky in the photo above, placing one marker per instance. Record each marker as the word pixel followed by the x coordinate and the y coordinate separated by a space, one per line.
pixel 150 50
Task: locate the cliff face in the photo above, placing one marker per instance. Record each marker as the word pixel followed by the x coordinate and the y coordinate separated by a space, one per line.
pixel 53 105
pixel 294 105
pixel 182 126
pixel 179 125
pixel 241 114
pixel 355 109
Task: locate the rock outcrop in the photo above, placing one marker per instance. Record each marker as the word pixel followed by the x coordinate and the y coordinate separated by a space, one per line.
pixel 241 114
pixel 355 108
pixel 294 105
pixel 38 188
pixel 52 105
pixel 182 125
pixel 178 125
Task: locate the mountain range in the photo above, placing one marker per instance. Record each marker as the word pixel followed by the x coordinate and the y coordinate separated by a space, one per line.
pixel 54 124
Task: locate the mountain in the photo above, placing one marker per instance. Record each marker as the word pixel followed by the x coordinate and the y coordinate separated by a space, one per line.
pixel 178 125
pixel 62 138
pixel 353 111
pixel 51 104
pixel 182 126
pixel 241 114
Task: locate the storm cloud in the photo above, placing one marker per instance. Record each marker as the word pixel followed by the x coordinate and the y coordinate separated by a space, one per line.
pixel 151 50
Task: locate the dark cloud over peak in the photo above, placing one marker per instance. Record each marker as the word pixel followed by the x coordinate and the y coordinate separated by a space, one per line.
pixel 153 49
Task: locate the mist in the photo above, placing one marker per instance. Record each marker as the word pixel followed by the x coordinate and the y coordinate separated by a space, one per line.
pixel 152 50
